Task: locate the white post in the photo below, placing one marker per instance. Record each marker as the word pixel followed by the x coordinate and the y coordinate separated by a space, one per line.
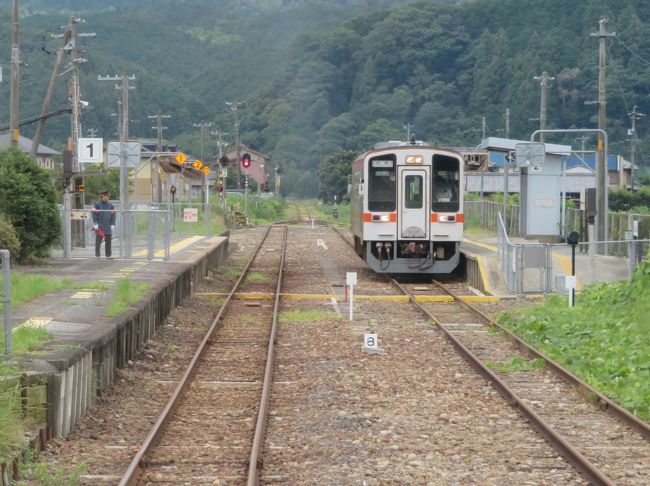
pixel 351 281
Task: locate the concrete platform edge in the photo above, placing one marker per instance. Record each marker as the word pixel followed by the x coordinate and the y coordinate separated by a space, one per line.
pixel 77 378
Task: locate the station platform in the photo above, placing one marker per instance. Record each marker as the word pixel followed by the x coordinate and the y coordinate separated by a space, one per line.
pixel 88 346
pixel 588 269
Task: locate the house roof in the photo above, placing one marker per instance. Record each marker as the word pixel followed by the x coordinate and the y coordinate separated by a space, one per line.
pixel 590 161
pixel 25 145
pixel 243 149
pixel 508 144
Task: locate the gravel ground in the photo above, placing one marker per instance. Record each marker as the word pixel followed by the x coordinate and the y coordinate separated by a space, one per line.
pixel 117 423
pixel 412 413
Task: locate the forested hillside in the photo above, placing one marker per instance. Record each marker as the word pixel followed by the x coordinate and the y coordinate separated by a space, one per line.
pixel 317 77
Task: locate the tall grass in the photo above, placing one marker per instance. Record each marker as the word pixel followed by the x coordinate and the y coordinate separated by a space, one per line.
pixel 11 426
pixel 126 292
pixel 26 287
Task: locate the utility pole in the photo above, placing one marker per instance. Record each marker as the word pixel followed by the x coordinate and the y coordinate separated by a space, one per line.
pixel 601 165
pixel 65 39
pixel 408 128
pixel 124 132
pixel 634 116
pixel 155 189
pixel 203 126
pixel 234 105
pixel 220 168
pixel 544 84
pixel 507 122
pixel 125 233
pixel 483 128
pixel 15 76
pixel 69 45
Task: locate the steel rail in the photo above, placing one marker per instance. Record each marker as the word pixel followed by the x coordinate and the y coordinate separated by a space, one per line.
pixel 255 463
pixel 136 467
pixel 570 453
pixel 583 388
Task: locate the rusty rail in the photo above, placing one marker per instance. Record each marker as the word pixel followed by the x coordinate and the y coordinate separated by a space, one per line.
pixel 135 469
pixel 262 415
pixel 570 453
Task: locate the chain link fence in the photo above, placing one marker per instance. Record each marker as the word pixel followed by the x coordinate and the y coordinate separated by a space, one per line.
pixel 483 214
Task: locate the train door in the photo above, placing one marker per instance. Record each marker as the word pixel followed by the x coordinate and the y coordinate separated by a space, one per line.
pixel 414 202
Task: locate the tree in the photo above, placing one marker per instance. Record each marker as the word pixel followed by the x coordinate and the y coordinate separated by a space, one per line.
pixel 28 202
pixel 333 175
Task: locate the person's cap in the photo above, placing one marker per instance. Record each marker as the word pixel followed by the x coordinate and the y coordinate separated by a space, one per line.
pixel 105 191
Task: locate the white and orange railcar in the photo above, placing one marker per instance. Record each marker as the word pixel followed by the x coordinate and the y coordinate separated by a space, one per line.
pixel 407 208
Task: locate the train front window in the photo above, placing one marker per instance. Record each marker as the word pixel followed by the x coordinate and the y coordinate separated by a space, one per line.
pixel 445 184
pixel 381 183
pixel 413 192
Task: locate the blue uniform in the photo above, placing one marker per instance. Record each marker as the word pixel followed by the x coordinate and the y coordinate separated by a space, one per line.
pixel 104 217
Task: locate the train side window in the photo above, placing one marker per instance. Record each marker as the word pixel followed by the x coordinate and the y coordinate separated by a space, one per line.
pixel 413 192
pixel 382 188
pixel 445 184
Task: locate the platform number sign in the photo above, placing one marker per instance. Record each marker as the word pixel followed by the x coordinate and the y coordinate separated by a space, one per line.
pixel 90 150
pixel 370 341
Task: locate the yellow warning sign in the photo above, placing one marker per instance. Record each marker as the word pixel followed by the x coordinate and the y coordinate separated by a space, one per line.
pixel 181 158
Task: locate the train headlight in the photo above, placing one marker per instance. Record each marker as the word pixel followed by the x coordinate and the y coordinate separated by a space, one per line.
pixel 446 218
pixel 385 218
pixel 414 159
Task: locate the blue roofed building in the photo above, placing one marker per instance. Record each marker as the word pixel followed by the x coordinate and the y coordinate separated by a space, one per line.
pixel 619 170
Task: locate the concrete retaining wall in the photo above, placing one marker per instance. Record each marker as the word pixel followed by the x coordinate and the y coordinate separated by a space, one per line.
pixel 72 390
pixel 473 273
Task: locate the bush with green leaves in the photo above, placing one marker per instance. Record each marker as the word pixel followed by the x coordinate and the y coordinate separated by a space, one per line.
pixel 8 238
pixel 603 339
pixel 28 201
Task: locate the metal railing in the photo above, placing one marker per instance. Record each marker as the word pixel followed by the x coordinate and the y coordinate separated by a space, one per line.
pixel 483 214
pixel 526 267
pixel 145 230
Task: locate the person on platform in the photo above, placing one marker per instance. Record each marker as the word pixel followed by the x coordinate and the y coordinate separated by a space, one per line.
pixel 103 224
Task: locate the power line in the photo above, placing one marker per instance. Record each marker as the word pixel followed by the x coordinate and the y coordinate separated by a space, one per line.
pixel 632 52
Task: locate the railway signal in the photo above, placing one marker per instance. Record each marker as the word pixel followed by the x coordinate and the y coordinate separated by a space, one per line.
pixel 246 161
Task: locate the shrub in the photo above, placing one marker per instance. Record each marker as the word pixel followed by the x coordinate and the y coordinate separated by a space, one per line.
pixel 28 200
pixel 8 238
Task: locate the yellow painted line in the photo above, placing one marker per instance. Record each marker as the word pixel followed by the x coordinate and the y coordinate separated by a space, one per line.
pixel 172 249
pixel 482 272
pixel 484 275
pixel 434 298
pixel 35 322
pixel 385 298
pixel 482 245
pixel 83 294
pixel 480 298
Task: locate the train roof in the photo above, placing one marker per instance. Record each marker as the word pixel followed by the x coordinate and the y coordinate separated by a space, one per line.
pixel 399 145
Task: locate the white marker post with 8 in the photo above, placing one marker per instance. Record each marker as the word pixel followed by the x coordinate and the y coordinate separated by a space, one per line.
pixel 351 281
pixel 370 341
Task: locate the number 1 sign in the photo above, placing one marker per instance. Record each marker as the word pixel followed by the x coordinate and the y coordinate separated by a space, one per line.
pixel 90 150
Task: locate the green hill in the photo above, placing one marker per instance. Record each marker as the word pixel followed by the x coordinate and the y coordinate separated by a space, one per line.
pixel 316 77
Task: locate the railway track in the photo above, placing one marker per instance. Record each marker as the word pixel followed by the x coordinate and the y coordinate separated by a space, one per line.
pixel 415 412
pixel 607 444
pixel 212 428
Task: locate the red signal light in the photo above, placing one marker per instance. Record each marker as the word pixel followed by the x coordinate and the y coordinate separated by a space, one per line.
pixel 246 161
pixel 220 188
